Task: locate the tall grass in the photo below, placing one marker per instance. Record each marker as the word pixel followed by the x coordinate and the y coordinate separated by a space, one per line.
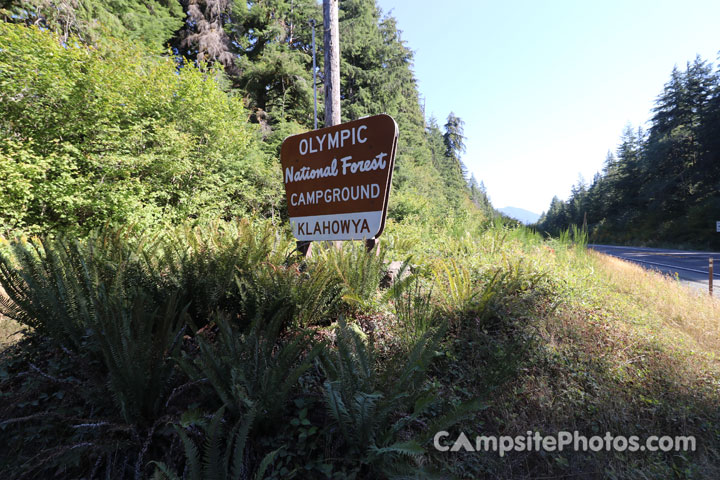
pixel 663 301
pixel 574 236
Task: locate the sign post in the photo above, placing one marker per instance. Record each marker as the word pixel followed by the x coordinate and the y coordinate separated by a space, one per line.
pixel 710 275
pixel 337 179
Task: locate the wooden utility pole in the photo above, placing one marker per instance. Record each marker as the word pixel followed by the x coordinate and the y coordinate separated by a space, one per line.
pixel 312 24
pixel 331 39
pixel 332 67
pixel 332 62
pixel 332 76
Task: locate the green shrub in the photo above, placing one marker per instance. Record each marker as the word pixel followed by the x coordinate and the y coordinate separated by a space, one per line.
pixel 137 340
pixel 365 405
pixel 100 296
pixel 308 296
pixel 114 134
pixel 53 285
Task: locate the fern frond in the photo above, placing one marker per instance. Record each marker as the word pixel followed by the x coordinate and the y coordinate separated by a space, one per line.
pixel 192 455
pixel 163 472
pixel 453 417
pixel 364 417
pixel 235 463
pixel 410 448
pixel 265 463
pixel 212 456
pixel 336 408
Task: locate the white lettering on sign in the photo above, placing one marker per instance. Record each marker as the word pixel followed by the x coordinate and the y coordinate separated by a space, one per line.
pixel 306 173
pixel 363 165
pixel 348 166
pixel 330 195
pixel 337 139
pixel 717 226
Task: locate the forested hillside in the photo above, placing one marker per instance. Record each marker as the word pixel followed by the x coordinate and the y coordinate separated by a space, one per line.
pixel 179 109
pixel 661 185
pixel 157 320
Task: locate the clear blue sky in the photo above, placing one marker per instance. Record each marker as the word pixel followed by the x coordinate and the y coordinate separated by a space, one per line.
pixel 546 87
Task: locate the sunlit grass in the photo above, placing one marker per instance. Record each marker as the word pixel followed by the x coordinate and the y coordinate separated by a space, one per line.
pixel 684 314
pixel 616 349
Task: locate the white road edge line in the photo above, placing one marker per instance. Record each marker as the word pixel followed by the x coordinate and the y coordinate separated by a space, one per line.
pixel 705 272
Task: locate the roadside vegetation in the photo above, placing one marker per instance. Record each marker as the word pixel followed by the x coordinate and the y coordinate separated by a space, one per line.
pixel 156 320
pixel 215 350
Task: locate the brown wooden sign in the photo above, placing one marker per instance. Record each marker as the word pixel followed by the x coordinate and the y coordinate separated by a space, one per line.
pixel 337 179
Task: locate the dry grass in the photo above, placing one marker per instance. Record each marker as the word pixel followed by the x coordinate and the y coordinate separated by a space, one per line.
pixel 684 313
pixel 627 351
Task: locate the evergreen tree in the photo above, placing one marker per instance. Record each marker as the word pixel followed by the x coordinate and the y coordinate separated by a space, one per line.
pixel 451 167
pixel 663 184
pixel 151 22
pixel 203 37
pixel 628 173
pixel 479 197
pixel 265 49
pixel 274 58
pixel 673 143
pixel 454 138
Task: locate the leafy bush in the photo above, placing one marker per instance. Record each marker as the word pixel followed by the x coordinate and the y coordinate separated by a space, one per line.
pixel 307 297
pixel 136 340
pixel 100 296
pixel 114 134
pixel 54 286
pixel 48 289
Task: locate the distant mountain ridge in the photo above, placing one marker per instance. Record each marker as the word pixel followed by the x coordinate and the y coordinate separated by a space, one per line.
pixel 525 216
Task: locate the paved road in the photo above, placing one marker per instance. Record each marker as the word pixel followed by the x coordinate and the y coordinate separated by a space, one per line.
pixel 691 267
